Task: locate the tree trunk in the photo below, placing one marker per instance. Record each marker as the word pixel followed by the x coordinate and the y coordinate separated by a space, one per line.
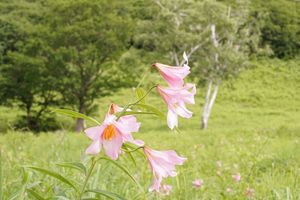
pixel 80 122
pixel 209 102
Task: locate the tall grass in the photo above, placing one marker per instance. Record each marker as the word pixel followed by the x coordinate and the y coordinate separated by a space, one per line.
pixel 253 130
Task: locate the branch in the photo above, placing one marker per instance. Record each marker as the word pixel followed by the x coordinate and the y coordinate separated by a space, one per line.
pixel 213 35
pixel 175 57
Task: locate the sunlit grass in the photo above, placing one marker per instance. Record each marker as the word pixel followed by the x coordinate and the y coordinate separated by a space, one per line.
pixel 254 130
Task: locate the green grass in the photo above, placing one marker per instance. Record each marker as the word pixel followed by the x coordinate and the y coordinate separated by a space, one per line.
pixel 254 125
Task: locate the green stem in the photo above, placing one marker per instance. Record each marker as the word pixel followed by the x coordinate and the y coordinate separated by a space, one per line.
pixel 87 177
pixel 130 151
pixel 144 76
pixel 136 102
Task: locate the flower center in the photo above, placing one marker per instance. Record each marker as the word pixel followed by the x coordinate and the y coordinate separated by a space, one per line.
pixel 109 132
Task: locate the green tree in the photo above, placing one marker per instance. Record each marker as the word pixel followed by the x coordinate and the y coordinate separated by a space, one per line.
pixel 216 38
pixel 281 28
pixel 27 80
pixel 88 38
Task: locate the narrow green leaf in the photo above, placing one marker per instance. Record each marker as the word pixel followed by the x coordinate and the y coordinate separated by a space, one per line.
pixel 152 109
pixel 126 171
pixel 130 155
pixel 75 114
pixel 133 148
pixel 140 92
pixel 73 165
pixel 14 196
pixel 60 198
pixel 137 196
pixel 138 113
pixel 35 194
pixel 25 176
pixel 96 177
pixel 54 175
pixel 108 194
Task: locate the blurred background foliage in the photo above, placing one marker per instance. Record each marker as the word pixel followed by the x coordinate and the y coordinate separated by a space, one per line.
pixel 64 53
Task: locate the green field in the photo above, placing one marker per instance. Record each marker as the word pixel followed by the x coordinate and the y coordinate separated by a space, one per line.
pixel 254 130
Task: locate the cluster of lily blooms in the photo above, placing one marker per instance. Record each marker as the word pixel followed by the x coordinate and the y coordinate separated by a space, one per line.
pixel 114 131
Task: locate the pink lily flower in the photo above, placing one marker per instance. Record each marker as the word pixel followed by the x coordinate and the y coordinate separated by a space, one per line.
pixel 175 98
pixel 198 183
pixel 129 120
pixel 162 164
pixel 236 177
pixel 111 135
pixel 166 189
pixel 173 75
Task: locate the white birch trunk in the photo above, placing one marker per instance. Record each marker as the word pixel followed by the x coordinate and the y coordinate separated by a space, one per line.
pixel 205 107
pixel 209 102
pixel 210 99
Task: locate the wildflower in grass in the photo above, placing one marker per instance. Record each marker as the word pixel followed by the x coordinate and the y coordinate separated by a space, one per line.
pixel 128 120
pixel 111 134
pixel 219 164
pixel 236 177
pixel 219 173
pixel 166 189
pixel 197 183
pixel 249 192
pixel 228 190
pixel 173 75
pixel 162 164
pixel 176 98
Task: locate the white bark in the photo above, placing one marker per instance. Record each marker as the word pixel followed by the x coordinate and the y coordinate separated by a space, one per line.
pixel 209 102
pixel 210 99
pixel 175 57
pixel 213 35
pixel 206 105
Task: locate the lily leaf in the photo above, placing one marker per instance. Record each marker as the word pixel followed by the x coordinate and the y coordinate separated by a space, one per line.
pixel 73 165
pixel 152 109
pixel 108 194
pixel 54 175
pixel 140 92
pixel 35 194
pixel 75 114
pixel 125 170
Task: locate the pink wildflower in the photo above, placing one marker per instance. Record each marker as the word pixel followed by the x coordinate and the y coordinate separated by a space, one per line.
pixel 198 183
pixel 111 134
pixel 175 98
pixel 162 164
pixel 236 177
pixel 173 75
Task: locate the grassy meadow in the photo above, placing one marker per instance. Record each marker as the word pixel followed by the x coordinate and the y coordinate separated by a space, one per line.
pixel 253 130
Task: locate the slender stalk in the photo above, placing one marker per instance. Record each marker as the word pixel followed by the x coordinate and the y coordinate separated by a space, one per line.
pixel 87 177
pixel 136 102
pixel 144 76
pixel 130 151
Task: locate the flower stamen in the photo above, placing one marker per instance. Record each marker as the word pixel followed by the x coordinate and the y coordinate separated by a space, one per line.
pixel 109 133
